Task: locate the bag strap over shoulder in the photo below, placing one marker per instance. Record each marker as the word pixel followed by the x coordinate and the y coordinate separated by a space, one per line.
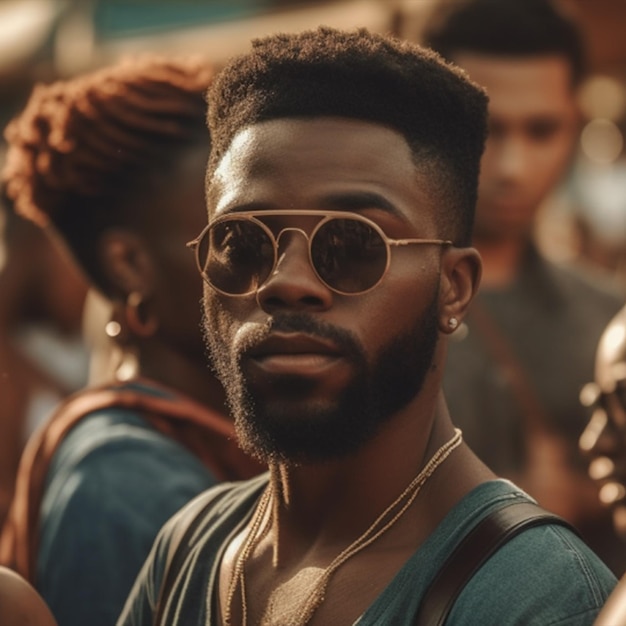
pixel 207 434
pixel 484 540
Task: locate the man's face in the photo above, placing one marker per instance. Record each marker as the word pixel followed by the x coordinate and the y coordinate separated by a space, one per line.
pixel 532 133
pixel 311 374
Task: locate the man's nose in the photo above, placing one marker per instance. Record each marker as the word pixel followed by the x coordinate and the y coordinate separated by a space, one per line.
pixel 293 283
pixel 513 158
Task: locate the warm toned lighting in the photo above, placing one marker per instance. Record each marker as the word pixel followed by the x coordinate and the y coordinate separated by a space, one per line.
pixel 603 96
pixel 602 141
pixel 24 26
pixel 612 492
pixel 600 468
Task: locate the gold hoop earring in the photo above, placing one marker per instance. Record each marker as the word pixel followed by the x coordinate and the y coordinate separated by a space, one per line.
pixel 139 324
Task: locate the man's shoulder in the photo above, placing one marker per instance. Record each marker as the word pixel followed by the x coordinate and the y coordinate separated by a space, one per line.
pixel 112 461
pixel 518 584
pixel 568 587
pixel 110 434
pixel 203 524
pixel 93 416
pixel 546 574
pixel 221 504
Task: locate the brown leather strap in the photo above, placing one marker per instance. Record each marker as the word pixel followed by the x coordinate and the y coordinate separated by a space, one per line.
pixel 206 433
pixel 484 540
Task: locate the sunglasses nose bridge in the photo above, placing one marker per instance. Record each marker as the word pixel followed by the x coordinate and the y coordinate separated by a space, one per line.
pixel 293 282
pixel 282 245
pixel 290 229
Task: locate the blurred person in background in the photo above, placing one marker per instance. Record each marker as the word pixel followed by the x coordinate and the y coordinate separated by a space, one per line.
pixel 603 443
pixel 514 378
pixel 42 354
pixel 112 164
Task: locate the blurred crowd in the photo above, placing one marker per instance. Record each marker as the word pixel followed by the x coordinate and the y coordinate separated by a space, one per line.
pixel 86 296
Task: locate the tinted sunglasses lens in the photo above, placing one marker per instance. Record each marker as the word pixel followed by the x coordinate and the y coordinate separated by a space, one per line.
pixel 348 255
pixel 236 256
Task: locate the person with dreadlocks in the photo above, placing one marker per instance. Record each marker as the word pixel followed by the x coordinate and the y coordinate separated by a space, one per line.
pixel 112 165
pixel 337 260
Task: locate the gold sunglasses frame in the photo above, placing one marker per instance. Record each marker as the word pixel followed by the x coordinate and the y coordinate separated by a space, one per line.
pixel 326 216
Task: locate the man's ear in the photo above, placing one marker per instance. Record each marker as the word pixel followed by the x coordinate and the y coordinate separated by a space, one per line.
pixel 126 263
pixel 461 269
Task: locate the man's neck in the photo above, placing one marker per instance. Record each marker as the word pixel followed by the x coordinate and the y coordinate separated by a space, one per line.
pixel 285 567
pixel 357 487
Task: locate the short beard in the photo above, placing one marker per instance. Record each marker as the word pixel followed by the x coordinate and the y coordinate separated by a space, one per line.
pixel 322 432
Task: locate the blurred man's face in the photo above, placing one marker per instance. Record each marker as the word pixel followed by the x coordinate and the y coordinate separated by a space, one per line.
pixel 533 130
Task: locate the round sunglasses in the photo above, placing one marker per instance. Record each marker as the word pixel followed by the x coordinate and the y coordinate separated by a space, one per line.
pixel 237 252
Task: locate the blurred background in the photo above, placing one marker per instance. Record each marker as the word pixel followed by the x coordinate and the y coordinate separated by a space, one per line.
pixel 43 40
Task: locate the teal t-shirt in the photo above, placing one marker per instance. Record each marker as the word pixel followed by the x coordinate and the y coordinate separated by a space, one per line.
pixel 544 576
pixel 112 484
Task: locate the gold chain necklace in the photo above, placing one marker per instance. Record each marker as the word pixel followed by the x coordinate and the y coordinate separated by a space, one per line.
pixel 378 528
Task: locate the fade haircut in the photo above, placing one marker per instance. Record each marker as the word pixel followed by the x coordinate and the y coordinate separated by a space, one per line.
pixel 516 28
pixel 365 76
pixel 81 153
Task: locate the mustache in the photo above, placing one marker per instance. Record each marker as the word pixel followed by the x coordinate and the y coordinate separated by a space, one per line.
pixel 344 339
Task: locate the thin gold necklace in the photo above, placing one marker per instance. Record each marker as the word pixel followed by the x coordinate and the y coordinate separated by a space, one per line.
pixel 378 528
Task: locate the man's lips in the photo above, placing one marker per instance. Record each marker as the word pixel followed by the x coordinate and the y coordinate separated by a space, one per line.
pixel 294 353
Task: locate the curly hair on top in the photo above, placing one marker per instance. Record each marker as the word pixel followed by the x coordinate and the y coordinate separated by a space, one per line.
pixel 363 75
pixel 79 150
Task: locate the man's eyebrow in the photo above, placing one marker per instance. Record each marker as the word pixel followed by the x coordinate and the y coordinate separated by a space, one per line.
pixel 341 201
pixel 358 200
pixel 246 207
